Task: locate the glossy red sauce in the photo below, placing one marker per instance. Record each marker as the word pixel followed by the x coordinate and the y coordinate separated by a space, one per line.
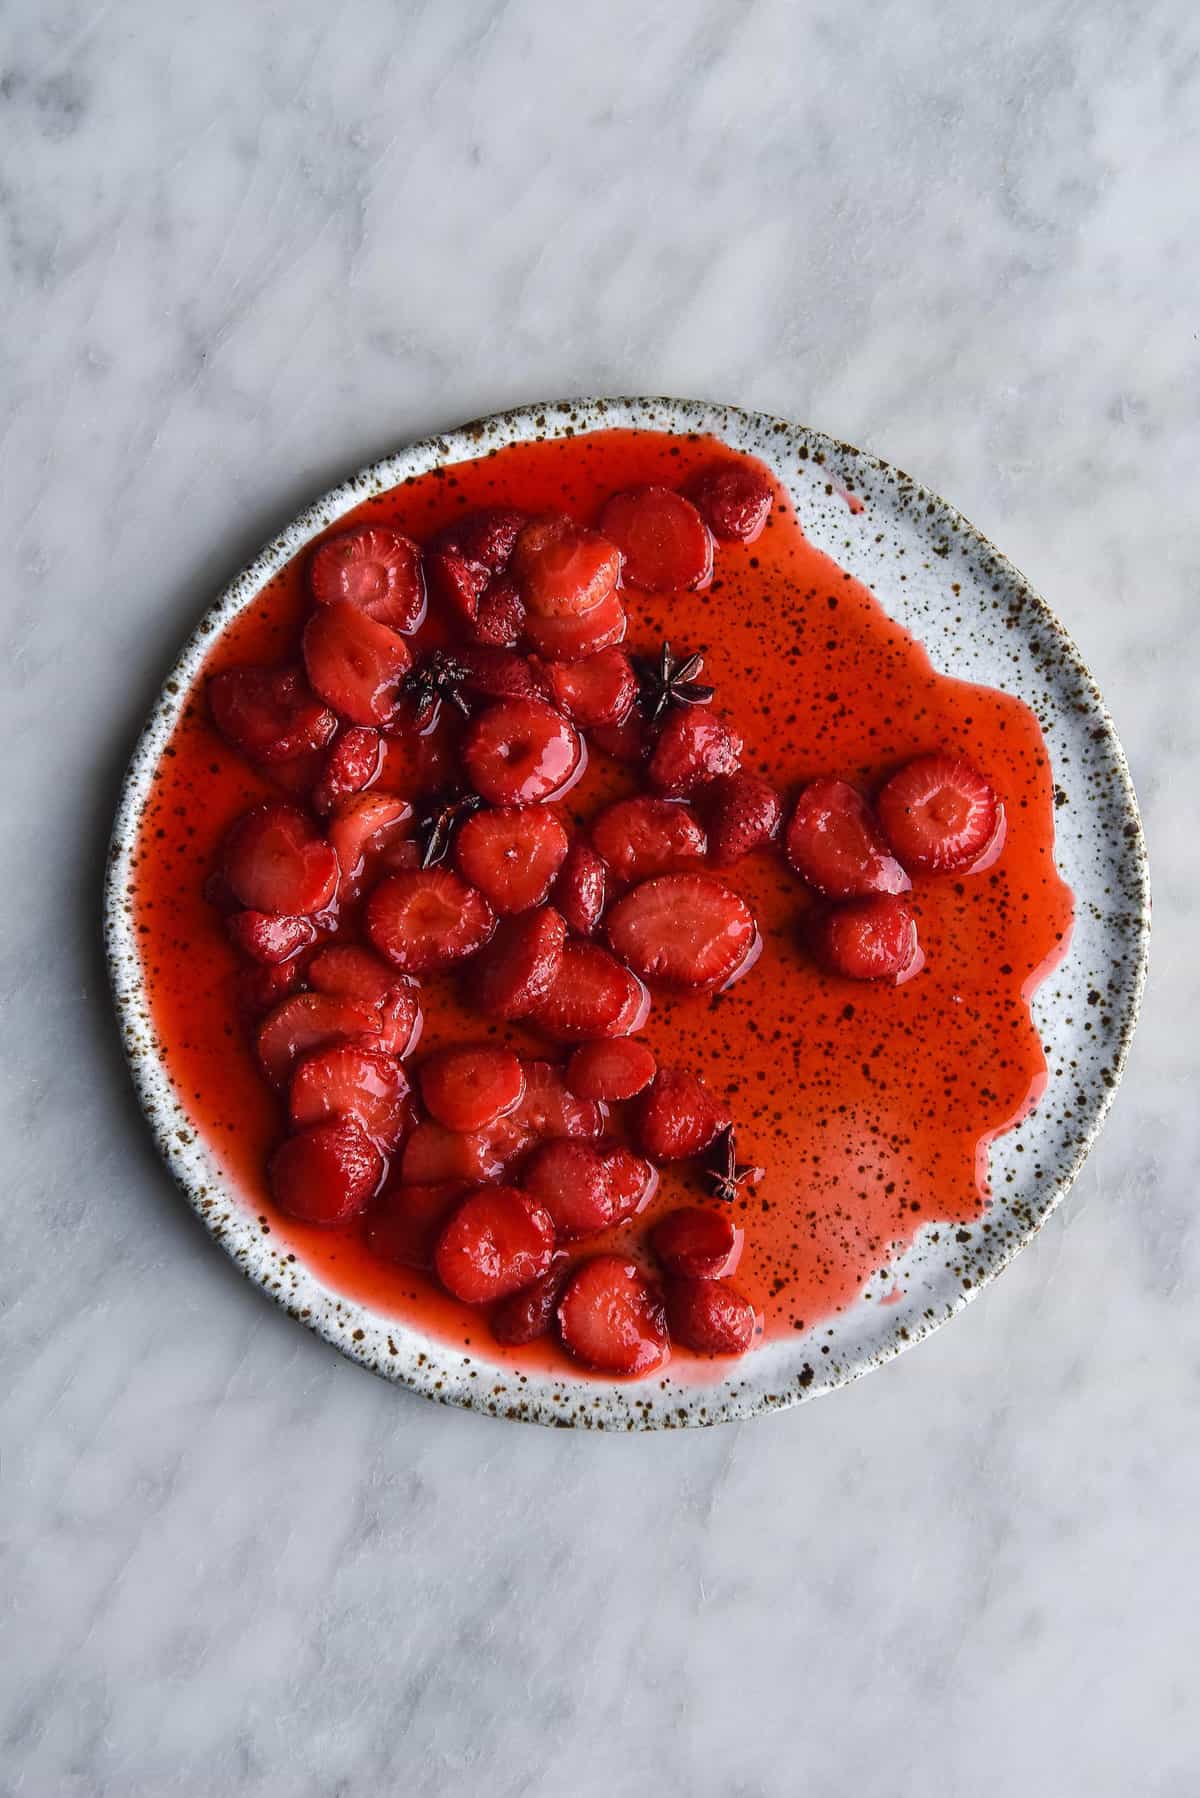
pixel 870 1107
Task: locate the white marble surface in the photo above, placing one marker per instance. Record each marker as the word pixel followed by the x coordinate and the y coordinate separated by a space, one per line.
pixel 247 247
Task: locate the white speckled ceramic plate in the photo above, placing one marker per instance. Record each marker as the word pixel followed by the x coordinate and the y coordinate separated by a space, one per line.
pixel 993 629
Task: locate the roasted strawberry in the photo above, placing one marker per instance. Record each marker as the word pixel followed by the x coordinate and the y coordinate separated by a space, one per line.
pixel 260 989
pixel 632 1181
pixel 568 638
pixel 374 568
pixel 326 1174
pixel 501 616
pixel 600 689
pixel 744 813
pixel 519 965
pixel 471 1085
pixel 611 1318
pixel 581 890
pixel 644 836
pixel 358 974
pixel 710 1317
pixel 352 765
pixel 610 1070
pixel 456 583
pixel 269 715
pixel 698 1243
pixel 512 855
pixel 526 1315
pixel 868 939
pixel 520 752
pixel 563 569
pixel 496 673
pixel 434 1155
pixel 665 543
pixel 734 499
pixel 486 537
pixel 549 1110
pixel 631 742
pixel 939 814
pixel 835 845
pixel 275 861
pixel 496 1242
pixel 427 918
pixel 269 937
pixel 678 1117
pixel 592 995
pixel 683 930
pixel 355 663
pixel 363 824
pixel 307 1021
pixel 344 1081
pixel 405 1222
pixel 571 1181
pixel 694 746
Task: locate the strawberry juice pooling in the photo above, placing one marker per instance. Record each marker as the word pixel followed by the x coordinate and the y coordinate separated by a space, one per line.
pixel 868 1106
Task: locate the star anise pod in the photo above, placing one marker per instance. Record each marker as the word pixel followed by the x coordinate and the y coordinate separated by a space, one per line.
pixel 436 829
pixel 439 676
pixel 725 1173
pixel 669 680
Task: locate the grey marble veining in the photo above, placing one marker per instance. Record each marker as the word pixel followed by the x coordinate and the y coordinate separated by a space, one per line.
pixel 246 249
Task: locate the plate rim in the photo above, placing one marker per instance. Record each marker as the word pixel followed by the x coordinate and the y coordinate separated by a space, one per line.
pixel 574 1401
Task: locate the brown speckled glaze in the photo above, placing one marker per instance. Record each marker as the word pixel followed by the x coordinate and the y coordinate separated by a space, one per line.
pixel 978 620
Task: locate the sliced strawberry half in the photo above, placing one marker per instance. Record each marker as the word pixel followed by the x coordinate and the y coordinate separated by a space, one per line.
pixel 275 861
pixel 678 1117
pixel 644 836
pixel 563 569
pixel 374 568
pixel 427 918
pixel 364 824
pixel 665 543
pixel 501 616
pixel 700 1244
pixel 710 1317
pixel 486 537
pixel 434 1155
pixel 525 1316
pixel 457 583
pixel 497 1241
pixel 269 715
pixel 358 974
pixel 521 752
pixel 355 663
pixel 632 1181
pixel 343 1080
pixel 744 813
pixel 549 1110
pixel 581 890
pixel 939 814
pixel 836 847
pixel 592 995
pixel 868 939
pixel 569 638
pixel 733 499
pixel 519 965
pixel 571 1181
pixel 631 742
pixel 599 689
pixel 611 1318
pixel 694 746
pixel 352 765
pixel 612 1071
pixel 260 989
pixel 470 1086
pixel 511 854
pixel 269 937
pixel 308 1021
pixel 496 673
pixel 683 930
pixel 405 1222
pixel 327 1174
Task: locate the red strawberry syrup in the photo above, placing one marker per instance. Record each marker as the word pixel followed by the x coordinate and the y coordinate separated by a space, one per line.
pixel 870 1107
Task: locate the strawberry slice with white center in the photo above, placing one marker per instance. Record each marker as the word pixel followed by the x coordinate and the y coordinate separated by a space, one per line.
pixel 563 569
pixel 427 918
pixel 355 663
pixel 683 930
pixel 592 995
pixel 511 854
pixel 275 861
pixel 496 1242
pixel 374 568
pixel 346 1081
pixel 837 848
pixel 520 752
pixel 940 814
pixel 468 1087
pixel 611 1318
pixel 665 543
